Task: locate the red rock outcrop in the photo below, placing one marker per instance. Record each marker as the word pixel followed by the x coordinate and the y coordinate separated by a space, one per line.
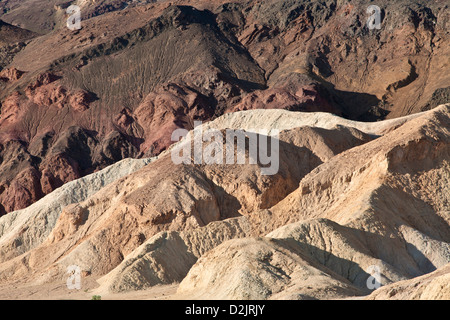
pixel 11 74
pixel 56 171
pixel 80 100
pixel 22 191
pixel 289 95
pixel 11 108
pixel 166 109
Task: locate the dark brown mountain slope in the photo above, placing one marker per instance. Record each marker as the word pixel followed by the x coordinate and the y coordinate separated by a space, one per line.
pixel 73 102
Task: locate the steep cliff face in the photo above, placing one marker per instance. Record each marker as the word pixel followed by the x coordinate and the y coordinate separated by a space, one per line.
pixel 137 71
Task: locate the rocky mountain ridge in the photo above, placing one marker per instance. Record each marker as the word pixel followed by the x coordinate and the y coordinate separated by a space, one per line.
pixel 311 231
pixel 135 72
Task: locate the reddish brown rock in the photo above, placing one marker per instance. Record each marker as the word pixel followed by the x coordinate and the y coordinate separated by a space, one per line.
pixel 45 91
pixel 49 95
pixel 80 100
pixel 42 79
pixel 166 109
pixel 22 191
pixel 11 74
pixel 10 108
pixel 56 171
pixel 289 95
pixel 124 119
